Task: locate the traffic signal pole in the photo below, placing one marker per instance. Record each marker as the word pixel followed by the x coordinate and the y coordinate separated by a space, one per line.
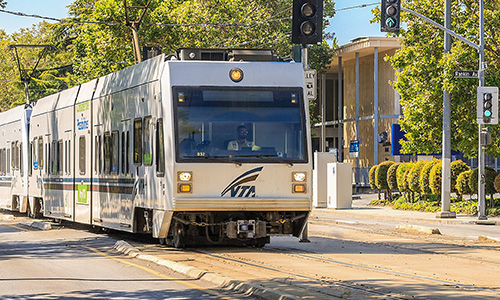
pixel 481 201
pixel 482 67
pixel 446 150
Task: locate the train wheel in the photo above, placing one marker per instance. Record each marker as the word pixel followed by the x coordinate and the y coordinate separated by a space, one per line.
pixel 162 241
pixel 178 236
pixel 260 243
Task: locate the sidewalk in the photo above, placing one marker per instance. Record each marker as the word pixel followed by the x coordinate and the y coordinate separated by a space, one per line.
pixel 361 212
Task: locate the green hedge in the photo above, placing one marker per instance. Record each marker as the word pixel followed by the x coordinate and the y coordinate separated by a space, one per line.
pixel 435 179
pixel 457 167
pixel 462 183
pixel 425 187
pixel 392 180
pixel 381 175
pixel 401 176
pixel 414 176
pixel 371 177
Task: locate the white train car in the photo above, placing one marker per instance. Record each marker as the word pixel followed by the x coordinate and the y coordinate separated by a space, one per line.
pixel 14 158
pixel 154 149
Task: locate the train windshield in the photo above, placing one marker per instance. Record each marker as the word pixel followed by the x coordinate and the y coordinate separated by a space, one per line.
pixel 250 125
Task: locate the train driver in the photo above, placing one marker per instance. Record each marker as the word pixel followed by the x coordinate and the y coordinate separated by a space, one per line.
pixel 241 141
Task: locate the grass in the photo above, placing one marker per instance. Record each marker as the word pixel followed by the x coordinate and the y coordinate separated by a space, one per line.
pixel 432 204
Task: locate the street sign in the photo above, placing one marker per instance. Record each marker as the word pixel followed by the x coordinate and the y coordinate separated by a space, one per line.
pixel 466 74
pixel 354 148
pixel 310 81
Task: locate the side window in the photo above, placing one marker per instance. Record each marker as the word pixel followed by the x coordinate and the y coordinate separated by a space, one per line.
pixel 125 152
pixel 107 153
pixel 82 155
pixel 68 158
pixel 47 151
pixel 60 156
pixel 96 155
pixel 114 152
pixel 148 153
pixel 2 162
pixel 160 149
pixel 13 157
pixel 138 141
pixel 20 158
pixel 53 162
pixel 40 152
pixel 31 152
pixel 7 164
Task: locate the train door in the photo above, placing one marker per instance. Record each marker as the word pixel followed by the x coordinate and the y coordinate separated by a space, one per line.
pixel 83 163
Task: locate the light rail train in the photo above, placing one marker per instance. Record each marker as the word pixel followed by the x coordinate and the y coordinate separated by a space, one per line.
pixel 155 148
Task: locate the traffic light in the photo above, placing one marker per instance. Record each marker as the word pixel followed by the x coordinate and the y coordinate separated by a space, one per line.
pixel 487 105
pixel 307 22
pixel 390 11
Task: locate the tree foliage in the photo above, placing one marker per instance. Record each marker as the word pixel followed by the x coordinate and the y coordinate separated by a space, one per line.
pixel 462 185
pixel 457 167
pixel 392 180
pixel 425 71
pixel 414 176
pixel 425 187
pixel 101 47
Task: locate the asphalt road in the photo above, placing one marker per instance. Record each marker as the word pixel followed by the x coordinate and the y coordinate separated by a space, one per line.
pixel 76 264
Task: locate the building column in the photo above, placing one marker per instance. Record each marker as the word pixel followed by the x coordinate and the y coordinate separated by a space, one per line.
pixel 340 105
pixel 375 106
pixel 356 170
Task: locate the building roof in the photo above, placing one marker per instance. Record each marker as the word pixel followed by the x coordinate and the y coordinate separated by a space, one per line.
pixel 364 46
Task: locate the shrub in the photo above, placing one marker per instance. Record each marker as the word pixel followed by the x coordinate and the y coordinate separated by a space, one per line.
pixel 462 184
pixel 392 180
pixel 496 183
pixel 425 187
pixel 435 179
pixel 401 177
pixel 381 175
pixel 371 177
pixel 489 186
pixel 457 168
pixel 414 176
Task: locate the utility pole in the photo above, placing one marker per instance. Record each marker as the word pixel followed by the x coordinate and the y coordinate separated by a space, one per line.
pixel 446 150
pixel 25 73
pixel 134 26
pixel 481 201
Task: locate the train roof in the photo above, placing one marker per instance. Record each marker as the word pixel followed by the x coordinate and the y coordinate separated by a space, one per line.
pixel 12 115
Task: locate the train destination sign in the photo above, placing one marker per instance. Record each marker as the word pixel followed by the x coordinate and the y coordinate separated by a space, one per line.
pixel 466 74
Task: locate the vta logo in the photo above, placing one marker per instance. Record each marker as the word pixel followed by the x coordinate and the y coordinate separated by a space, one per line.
pixel 236 188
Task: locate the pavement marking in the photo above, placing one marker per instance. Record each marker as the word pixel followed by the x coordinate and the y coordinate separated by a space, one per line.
pixel 161 275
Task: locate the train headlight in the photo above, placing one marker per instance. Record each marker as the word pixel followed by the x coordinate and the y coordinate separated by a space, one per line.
pixel 236 74
pixel 184 188
pixel 184 176
pixel 299 188
pixel 299 176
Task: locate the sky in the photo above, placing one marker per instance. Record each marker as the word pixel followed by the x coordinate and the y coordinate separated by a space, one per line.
pixel 347 24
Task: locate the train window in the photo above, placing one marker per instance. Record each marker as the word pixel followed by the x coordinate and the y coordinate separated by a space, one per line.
pixel 82 155
pixel 160 149
pixel 47 151
pixel 2 162
pixel 107 153
pixel 7 164
pixel 125 152
pixel 68 155
pixel 115 152
pixel 20 157
pixel 53 162
pixel 60 157
pixel 31 152
pixel 138 141
pixel 96 156
pixel 33 161
pixel 13 158
pixel 40 152
pixel 148 153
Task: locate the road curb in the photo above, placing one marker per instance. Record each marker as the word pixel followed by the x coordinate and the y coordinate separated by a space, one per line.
pixel 484 238
pixel 221 281
pixel 38 225
pixel 417 228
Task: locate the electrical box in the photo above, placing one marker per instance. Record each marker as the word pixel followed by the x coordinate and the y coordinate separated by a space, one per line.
pixel 321 159
pixel 339 187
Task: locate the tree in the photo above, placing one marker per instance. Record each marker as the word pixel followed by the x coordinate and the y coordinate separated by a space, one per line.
pixel 3 4
pixel 381 177
pixel 426 71
pixel 457 167
pixel 104 46
pixel 52 73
